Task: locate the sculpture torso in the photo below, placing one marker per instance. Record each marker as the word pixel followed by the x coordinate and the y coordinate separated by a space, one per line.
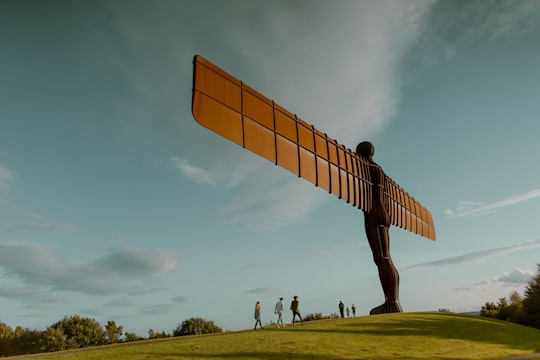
pixel 378 215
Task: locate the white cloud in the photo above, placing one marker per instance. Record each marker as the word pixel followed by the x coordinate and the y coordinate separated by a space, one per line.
pixel 515 278
pixel 470 208
pixel 134 262
pixel 197 174
pixel 7 176
pixel 123 270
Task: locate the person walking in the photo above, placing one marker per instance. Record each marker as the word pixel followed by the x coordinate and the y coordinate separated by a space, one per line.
pixel 353 310
pixel 295 308
pixel 278 309
pixel 258 309
pixel 341 308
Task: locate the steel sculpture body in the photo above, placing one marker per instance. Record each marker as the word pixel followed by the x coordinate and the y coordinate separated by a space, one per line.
pixel 237 112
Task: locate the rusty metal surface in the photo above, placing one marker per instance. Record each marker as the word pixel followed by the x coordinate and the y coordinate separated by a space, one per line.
pixel 239 113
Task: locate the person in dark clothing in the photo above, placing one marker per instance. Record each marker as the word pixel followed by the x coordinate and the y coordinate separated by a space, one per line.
pixel 296 309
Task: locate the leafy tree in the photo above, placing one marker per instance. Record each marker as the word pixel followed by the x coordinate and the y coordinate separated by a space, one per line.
pixel 54 339
pixel 6 334
pixel 129 337
pixel 152 334
pixel 26 341
pixel 5 331
pixel 196 326
pixel 81 332
pixel 490 310
pixel 114 332
pixel 515 308
pixel 531 302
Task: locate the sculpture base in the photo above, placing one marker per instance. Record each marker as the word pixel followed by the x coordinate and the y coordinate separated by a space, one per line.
pixel 386 308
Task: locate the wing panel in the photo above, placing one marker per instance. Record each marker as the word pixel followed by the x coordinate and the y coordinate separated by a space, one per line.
pixel 334 180
pixel 321 146
pixel 307 166
pixel 218 85
pixel 206 110
pixel 254 108
pixel 287 155
pixel 306 138
pixel 285 126
pixel 259 139
pixel 323 174
pixel 409 214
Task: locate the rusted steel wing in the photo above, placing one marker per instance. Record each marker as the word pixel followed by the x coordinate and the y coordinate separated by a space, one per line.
pixel 239 113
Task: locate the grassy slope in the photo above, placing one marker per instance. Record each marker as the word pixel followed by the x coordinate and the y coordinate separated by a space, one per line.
pixel 392 336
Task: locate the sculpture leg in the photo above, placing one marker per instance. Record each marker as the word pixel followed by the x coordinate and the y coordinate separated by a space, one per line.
pixel 379 242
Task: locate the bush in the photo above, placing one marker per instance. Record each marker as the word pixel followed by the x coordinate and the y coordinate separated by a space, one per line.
pixel 196 326
pixel 316 316
pixel 80 332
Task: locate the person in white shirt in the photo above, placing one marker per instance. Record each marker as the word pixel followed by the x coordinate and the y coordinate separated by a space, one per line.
pixel 279 311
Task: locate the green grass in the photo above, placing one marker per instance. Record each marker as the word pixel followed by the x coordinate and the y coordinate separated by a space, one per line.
pixel 390 336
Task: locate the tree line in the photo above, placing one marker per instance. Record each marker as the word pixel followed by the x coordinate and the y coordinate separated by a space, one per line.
pixel 73 332
pixel 524 310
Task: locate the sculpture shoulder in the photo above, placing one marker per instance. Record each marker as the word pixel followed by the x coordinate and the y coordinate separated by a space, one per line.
pixel 377 174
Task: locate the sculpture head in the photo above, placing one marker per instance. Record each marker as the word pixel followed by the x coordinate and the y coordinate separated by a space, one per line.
pixel 365 149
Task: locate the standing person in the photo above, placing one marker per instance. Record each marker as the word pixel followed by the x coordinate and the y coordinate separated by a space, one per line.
pixel 278 309
pixel 376 224
pixel 296 309
pixel 258 309
pixel 348 312
pixel 341 308
pixel 353 310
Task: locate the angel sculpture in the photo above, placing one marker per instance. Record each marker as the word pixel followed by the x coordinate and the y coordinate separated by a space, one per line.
pixel 237 112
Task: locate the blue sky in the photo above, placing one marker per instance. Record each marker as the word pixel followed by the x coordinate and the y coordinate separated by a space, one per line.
pixel 115 204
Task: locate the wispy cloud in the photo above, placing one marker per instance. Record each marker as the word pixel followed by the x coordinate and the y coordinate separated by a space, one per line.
pixel 479 255
pixel 197 174
pixel 470 208
pixel 36 228
pixel 454 25
pixel 338 249
pixel 516 278
pixel 263 202
pixel 32 297
pixel 160 309
pixel 264 291
pixel 183 299
pixel 123 270
pixel 7 176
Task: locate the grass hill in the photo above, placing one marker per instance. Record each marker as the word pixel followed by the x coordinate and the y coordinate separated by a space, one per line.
pixel 389 336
